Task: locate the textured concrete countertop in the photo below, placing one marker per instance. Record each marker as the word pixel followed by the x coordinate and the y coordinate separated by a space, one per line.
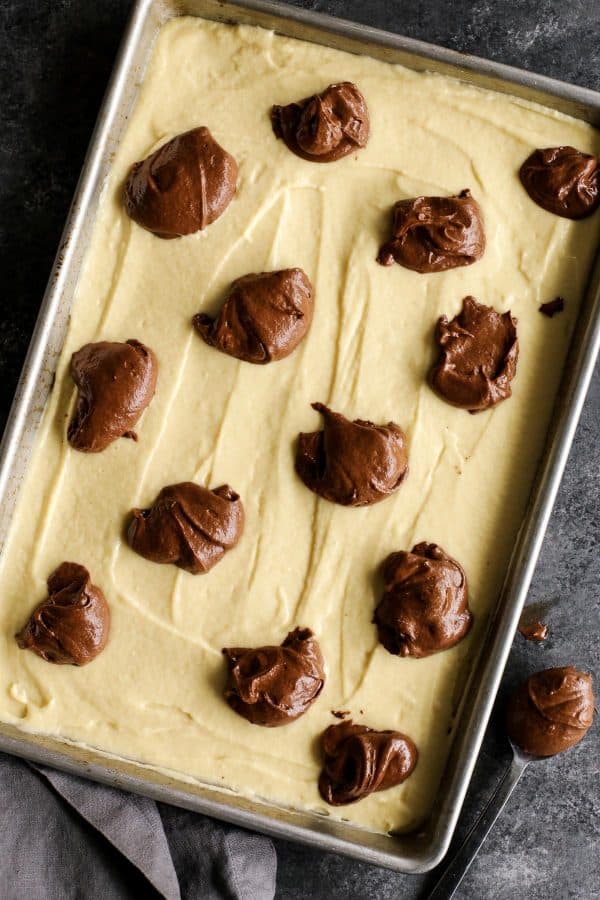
pixel 55 58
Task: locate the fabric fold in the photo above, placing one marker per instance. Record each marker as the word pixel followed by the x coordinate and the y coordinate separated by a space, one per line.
pixel 65 838
pixel 129 822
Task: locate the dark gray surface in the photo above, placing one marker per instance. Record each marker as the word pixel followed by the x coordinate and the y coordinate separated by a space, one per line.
pixel 55 58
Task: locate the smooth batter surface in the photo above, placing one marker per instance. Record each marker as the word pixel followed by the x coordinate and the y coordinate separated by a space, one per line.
pixel 155 693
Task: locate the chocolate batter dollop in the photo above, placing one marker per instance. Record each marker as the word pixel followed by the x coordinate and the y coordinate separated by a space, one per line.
pixel 424 608
pixel 552 711
pixel 183 186
pixel 360 761
pixel 71 626
pixel 274 685
pixel 533 631
pixel 352 463
pixel 563 180
pixel 478 357
pixel 115 382
pixel 552 307
pixel 189 526
pixel 326 126
pixel 263 319
pixel 432 234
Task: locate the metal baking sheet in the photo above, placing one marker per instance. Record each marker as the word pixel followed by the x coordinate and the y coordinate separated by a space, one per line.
pixel 422 850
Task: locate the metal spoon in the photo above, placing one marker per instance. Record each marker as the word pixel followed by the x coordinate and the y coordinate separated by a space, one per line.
pixel 460 863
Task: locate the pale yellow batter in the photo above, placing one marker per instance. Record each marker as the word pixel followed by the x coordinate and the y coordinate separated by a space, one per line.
pixel 155 693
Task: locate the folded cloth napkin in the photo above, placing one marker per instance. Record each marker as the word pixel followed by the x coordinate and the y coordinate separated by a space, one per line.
pixel 65 838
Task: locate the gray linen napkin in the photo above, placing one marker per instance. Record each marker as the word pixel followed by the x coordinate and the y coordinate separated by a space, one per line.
pixel 65 838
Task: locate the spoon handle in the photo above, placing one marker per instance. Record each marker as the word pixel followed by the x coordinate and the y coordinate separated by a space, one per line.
pixel 459 865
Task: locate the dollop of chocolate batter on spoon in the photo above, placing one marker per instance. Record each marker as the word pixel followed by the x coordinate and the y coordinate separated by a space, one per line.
pixel 433 234
pixel 71 626
pixel 263 319
pixel 552 711
pixel 188 526
pixel 424 608
pixel 326 126
pixel 360 761
pixel 563 181
pixel 274 685
pixel 115 382
pixel 183 186
pixel 352 463
pixel 478 357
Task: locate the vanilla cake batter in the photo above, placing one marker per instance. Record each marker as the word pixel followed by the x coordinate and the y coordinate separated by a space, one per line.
pixel 155 694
